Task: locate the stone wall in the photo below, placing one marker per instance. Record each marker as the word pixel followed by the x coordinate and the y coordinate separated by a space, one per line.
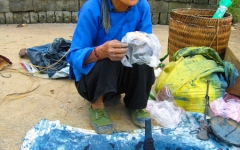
pixel 65 11
pixel 161 8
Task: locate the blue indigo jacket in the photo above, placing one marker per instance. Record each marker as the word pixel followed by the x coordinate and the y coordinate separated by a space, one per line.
pixel 89 31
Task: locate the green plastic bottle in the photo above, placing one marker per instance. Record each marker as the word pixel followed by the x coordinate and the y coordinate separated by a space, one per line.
pixel 223 6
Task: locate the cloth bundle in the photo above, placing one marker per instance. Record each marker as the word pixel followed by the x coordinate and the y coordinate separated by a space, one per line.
pixel 49 60
pixel 187 74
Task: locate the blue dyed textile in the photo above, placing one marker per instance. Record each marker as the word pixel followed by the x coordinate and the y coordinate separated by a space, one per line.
pixel 49 135
pixel 52 54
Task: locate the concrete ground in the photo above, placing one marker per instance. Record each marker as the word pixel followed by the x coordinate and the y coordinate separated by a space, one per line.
pixel 25 100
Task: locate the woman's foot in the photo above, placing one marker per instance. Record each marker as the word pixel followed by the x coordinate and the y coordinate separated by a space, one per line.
pixel 100 121
pixel 139 116
pixel 99 118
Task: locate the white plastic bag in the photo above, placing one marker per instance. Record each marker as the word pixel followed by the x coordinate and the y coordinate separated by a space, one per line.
pixel 165 113
pixel 143 49
pixel 165 94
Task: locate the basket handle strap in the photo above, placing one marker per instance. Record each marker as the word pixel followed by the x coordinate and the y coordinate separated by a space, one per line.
pixel 216 35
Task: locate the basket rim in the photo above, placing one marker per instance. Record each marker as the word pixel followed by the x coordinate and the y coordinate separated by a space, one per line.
pixel 175 11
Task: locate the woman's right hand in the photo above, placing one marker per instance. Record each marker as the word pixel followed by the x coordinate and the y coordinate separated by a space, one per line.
pixel 114 50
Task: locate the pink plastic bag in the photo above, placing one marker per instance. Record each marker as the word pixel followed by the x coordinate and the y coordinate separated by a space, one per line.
pixel 227 107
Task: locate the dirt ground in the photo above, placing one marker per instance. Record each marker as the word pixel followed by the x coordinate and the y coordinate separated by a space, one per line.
pixel 25 100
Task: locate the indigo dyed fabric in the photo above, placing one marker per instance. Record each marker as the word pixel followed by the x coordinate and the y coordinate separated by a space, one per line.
pixel 49 135
pixel 52 54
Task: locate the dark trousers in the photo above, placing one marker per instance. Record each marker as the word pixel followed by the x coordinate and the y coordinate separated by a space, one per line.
pixel 111 77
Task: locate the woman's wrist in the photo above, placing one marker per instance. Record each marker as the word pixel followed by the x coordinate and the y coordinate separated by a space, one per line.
pixel 96 53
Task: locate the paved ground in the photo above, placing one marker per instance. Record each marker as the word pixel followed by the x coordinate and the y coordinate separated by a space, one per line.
pixel 25 100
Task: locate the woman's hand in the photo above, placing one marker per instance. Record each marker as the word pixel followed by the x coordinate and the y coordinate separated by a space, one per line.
pixel 114 50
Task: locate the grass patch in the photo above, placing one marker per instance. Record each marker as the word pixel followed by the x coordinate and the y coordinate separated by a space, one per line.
pixel 234 9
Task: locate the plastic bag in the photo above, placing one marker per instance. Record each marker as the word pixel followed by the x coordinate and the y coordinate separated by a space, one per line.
pixel 143 49
pixel 165 94
pixel 165 113
pixel 227 107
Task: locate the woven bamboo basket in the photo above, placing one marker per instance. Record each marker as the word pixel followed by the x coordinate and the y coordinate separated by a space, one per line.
pixel 190 27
